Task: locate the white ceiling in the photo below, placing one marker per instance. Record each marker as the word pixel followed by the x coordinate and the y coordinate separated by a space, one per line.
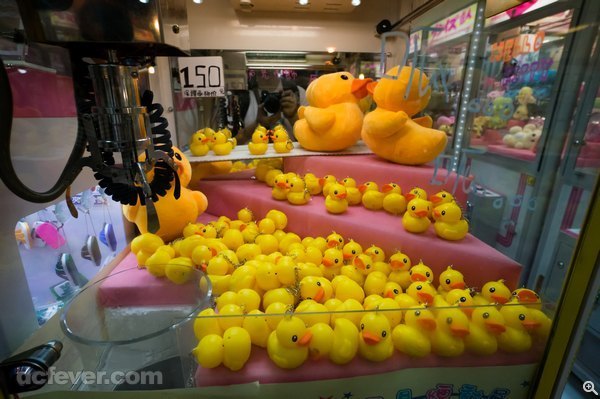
pixel 313 6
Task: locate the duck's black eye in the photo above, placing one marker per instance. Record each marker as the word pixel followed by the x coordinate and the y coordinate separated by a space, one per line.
pixel 447 281
pixel 353 252
pixel 337 261
pixel 178 156
pixel 443 213
pixel 521 317
pixel 396 291
pixel 292 185
pixel 405 260
pixel 493 289
pixel 417 313
pixel 514 293
pixel 413 207
pixel 419 287
pixel 383 333
pixel 449 320
pixel 335 192
pixel 427 274
pixel 340 240
pixel 294 338
pixel 443 195
pixel 368 266
pixel 345 77
pixel 362 326
pixel 486 315
pixel 318 283
pixel 376 252
pixel 463 299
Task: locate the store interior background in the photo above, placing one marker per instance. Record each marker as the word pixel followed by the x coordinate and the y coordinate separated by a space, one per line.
pixel 220 28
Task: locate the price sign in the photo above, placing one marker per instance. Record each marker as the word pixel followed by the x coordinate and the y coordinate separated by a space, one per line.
pixel 202 76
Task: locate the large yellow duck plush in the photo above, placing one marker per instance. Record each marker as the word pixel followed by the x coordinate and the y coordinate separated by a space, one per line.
pixel 173 214
pixel 333 119
pixel 389 130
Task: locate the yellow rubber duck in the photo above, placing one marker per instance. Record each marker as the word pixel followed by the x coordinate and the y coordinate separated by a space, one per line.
pixel 259 143
pixel 422 292
pixel 321 341
pixel 354 194
pixel 375 283
pixel 333 119
pixel 450 279
pixel 415 218
pixel 345 341
pixel 527 297
pixel 326 182
pixel 281 141
pixel 372 198
pixel 346 288
pixel 174 214
pixel 392 290
pixel 393 202
pixel 389 130
pixel 496 292
pixel 199 144
pixel 332 263
pixel 449 224
pixel 519 324
pixel 222 146
pixel 353 273
pixel 350 250
pixel 297 194
pixel 448 338
pixel 210 136
pixel 318 289
pixel 363 263
pixel 412 337
pixel 400 264
pixel 416 192
pixel 288 344
pixel 541 332
pixel 421 272
pixel 280 187
pixel 440 198
pixel 336 202
pixel 375 338
pixel 256 324
pixel 312 312
pixel 313 184
pixel 335 240
pixel 486 324
pixel 376 253
pixel 461 298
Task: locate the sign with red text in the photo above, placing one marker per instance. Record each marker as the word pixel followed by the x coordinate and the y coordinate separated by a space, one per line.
pixel 458 24
pixel 202 76
pixel 511 48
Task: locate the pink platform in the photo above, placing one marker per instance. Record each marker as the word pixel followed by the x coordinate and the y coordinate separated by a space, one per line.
pixel 475 259
pixel 365 168
pixel 522 154
pixel 260 368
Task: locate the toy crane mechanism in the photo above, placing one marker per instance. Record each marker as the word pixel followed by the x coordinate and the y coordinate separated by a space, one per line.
pixel 124 133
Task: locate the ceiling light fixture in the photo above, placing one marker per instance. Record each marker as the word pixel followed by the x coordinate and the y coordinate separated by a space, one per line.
pixel 198 1
pixel 303 2
pixel 355 3
pixel 330 50
pixel 151 69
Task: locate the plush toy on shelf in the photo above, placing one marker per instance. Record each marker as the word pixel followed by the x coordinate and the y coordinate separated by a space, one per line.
pixel 389 130
pixel 499 118
pixel 525 137
pixel 173 213
pixel 199 144
pixel 281 140
pixel 259 143
pixel 333 119
pixel 524 98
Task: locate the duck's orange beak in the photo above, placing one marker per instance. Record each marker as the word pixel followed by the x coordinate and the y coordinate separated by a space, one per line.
pixel 203 267
pixel 499 298
pixel 327 262
pixel 467 310
pixel 371 87
pixel 396 264
pixel 425 297
pixel 322 181
pixel 370 338
pixel 282 184
pixel 205 140
pixel 409 196
pixel 530 325
pixel 527 296
pixel 386 187
pixel 427 324
pixel 359 87
pixel 243 226
pixel 435 199
pixel 348 256
pixel 437 213
pixel 359 263
pixel 421 214
pixel 362 188
pixel 458 285
pixel 417 277
pixel 319 295
pixel 213 251
pixel 305 339
pixel 389 294
pixel 342 195
pixel 459 331
pixel 494 327
pixel 332 243
pixel 265 138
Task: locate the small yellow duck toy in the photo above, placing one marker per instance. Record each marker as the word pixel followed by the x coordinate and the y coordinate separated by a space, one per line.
pixel 527 297
pixel 496 292
pixel 350 250
pixel 448 338
pixel 288 344
pixel 415 218
pixel 259 143
pixel 199 144
pixel 389 130
pixel 354 194
pixel 400 264
pixel 519 324
pixel 281 141
pixel 173 214
pixel 232 350
pixel 313 184
pixel 222 145
pixel 333 119
pixel 450 279
pixel 318 289
pixel 393 202
pixel 416 192
pixel 335 240
pixel 422 291
pixel 280 187
pixel 345 341
pixel 332 263
pixel 486 324
pixel 297 194
pixel 421 272
pixel 449 224
pixel 443 197
pixel 210 136
pixel 336 202
pixel 412 337
pixel 321 341
pixel 376 253
pixel 372 198
pixel 375 338
pixel 326 182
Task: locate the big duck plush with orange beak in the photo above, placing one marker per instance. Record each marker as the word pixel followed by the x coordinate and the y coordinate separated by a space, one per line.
pixel 333 119
pixel 389 130
pixel 173 213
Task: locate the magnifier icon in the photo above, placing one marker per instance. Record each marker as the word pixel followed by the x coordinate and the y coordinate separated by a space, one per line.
pixel 588 387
